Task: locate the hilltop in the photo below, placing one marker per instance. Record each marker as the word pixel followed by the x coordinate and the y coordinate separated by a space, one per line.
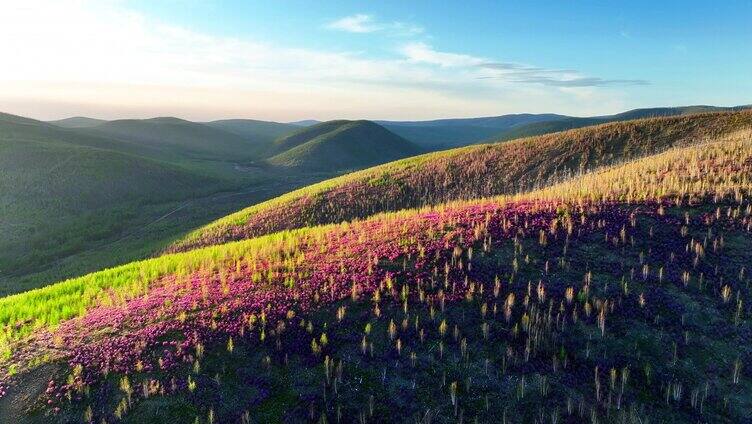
pixel 167 135
pixel 448 133
pixel 614 296
pixel 78 122
pixel 567 123
pixel 442 134
pixel 340 145
pixel 466 173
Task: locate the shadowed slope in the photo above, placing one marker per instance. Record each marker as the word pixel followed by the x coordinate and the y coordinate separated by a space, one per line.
pixel 54 179
pixel 341 145
pixel 177 136
pixel 261 133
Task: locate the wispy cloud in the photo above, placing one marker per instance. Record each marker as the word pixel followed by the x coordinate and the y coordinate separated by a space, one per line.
pixel 419 52
pixel 579 81
pixel 359 23
pixel 362 23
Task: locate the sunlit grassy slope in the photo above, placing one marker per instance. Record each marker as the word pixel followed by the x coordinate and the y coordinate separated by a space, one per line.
pixel 617 295
pixel 568 122
pixel 717 168
pixel 466 173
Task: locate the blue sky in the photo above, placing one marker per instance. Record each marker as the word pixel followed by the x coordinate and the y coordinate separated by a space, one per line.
pixel 287 60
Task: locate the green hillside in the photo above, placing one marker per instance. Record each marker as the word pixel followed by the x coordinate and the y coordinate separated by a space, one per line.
pixel 616 296
pixel 303 135
pixel 466 173
pixel 176 136
pixel 341 145
pixel 79 199
pixel 78 122
pixel 60 192
pixel 568 123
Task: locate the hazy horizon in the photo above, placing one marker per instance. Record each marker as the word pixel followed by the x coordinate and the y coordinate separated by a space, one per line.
pixel 105 118
pixel 224 59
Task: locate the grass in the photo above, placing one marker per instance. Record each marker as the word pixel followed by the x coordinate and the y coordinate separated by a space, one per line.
pixel 520 368
pixel 467 173
pixel 617 295
pixel 57 195
pixel 77 200
pixel 719 168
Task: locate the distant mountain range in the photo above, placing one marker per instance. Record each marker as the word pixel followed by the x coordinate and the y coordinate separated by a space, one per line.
pixel 438 134
pixel 448 133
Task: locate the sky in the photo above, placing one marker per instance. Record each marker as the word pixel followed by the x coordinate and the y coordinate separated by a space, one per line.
pixel 404 60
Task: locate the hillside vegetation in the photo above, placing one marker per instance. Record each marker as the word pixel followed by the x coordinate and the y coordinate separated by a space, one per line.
pixel 466 173
pixel 168 135
pixel 443 134
pixel 81 194
pixel 568 123
pixel 341 145
pixel 77 122
pixel 61 191
pixel 616 296
pixel 74 200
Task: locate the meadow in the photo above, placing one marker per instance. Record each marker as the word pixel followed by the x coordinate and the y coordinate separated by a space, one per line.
pixel 466 173
pixel 619 295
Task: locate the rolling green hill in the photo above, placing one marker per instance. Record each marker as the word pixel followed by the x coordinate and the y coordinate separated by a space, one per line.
pixel 82 198
pixel 341 145
pixel 466 173
pixel 176 136
pixel 302 136
pixel 78 122
pixel 60 191
pixel 617 296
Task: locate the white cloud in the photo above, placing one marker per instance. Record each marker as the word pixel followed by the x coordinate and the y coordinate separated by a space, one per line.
pixel 362 23
pixel 420 52
pixel 72 57
pixel 359 23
